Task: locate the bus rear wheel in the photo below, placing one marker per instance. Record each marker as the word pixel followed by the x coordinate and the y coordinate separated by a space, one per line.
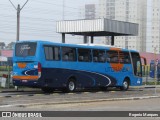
pixel 47 90
pixel 125 85
pixel 71 85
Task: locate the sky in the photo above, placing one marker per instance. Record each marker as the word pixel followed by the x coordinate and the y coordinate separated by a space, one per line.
pixel 38 19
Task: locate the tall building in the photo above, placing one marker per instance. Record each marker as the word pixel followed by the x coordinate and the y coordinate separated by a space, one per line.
pixel 153 26
pixel 90 11
pixel 107 9
pixel 130 11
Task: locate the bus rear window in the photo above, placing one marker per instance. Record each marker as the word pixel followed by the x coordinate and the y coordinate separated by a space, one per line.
pixel 25 49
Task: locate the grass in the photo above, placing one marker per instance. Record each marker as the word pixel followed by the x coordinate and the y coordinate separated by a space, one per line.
pixel 5 68
pixel 151 83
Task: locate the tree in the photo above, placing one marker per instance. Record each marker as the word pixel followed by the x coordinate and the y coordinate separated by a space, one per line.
pixel 11 45
pixel 2 45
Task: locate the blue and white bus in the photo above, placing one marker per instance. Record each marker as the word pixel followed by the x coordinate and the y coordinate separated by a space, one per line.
pixel 51 66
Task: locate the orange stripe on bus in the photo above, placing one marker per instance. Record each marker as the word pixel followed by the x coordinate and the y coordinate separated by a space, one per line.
pixel 25 77
pixel 116 49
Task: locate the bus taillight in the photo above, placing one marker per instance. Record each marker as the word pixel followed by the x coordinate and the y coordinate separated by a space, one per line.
pixel 39 69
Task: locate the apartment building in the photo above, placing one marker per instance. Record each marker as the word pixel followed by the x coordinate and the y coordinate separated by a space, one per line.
pixel 130 11
pixel 153 26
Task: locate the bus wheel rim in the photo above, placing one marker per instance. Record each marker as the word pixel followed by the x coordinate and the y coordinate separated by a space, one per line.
pixel 125 85
pixel 71 86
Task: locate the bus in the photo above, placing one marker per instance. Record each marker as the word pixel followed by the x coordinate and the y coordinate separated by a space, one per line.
pixel 51 66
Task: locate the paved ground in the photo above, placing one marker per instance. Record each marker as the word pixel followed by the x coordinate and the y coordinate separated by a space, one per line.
pixel 136 99
pixel 36 97
pixel 136 105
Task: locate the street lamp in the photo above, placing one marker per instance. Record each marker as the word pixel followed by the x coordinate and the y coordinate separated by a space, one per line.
pixel 18 9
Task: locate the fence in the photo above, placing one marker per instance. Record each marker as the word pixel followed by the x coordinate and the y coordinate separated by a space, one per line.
pixel 5 76
pixel 147 80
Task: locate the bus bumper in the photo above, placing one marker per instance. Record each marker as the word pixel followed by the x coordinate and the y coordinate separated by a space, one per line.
pixel 27 83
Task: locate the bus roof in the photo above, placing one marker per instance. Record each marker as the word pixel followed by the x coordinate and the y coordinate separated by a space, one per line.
pixel 94 46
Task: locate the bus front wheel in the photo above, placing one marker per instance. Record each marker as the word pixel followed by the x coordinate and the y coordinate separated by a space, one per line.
pixel 71 85
pixel 125 85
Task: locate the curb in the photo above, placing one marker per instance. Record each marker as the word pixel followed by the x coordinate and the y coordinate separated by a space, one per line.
pixel 85 101
pixel 23 90
pixel 39 94
pixel 6 91
pixel 143 86
pixel 14 90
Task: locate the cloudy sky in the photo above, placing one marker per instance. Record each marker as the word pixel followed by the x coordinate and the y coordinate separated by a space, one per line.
pixel 38 18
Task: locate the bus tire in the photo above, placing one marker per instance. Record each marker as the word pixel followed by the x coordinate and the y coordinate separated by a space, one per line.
pixel 125 85
pixel 71 85
pixel 47 90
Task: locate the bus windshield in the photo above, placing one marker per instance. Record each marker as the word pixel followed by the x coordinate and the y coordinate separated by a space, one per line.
pixel 25 49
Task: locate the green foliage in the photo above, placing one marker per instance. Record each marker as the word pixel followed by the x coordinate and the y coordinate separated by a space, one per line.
pixel 151 83
pixel 5 68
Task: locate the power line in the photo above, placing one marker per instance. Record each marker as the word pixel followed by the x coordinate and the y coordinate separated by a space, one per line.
pixel 49 3
pixel 55 4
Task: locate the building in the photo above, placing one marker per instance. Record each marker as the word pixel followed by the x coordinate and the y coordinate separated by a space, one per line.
pixel 6 57
pixel 153 26
pixel 107 9
pixel 144 12
pixel 90 11
pixel 126 10
pixel 150 56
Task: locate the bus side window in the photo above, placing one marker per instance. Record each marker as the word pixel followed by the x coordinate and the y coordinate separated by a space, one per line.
pixel 48 52
pixel 65 58
pixel 80 58
pixel 99 56
pixel 52 52
pixel 95 59
pixel 112 56
pixel 124 57
pixel 56 53
pixel 84 55
pixel 68 54
pixel 108 59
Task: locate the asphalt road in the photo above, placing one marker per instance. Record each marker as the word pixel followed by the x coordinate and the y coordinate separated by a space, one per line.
pixel 35 97
pixel 131 105
pixel 136 99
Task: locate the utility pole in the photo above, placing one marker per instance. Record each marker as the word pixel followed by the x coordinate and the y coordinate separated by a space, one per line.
pixel 18 21
pixel 18 9
pixel 155 71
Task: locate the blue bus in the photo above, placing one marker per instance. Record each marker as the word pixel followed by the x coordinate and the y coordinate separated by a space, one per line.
pixel 68 67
